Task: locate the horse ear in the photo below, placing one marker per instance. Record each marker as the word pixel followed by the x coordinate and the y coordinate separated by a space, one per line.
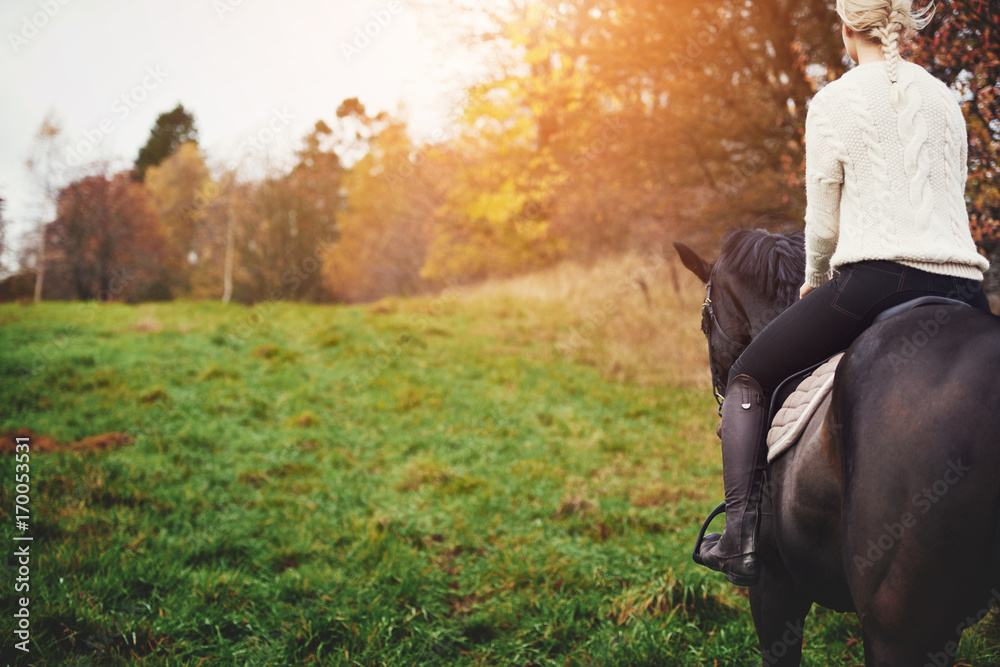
pixel 693 262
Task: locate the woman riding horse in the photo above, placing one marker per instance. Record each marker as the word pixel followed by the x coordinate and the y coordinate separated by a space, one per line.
pixel 885 223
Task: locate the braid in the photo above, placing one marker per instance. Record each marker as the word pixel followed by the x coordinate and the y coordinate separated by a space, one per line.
pixel 889 34
pixel 885 21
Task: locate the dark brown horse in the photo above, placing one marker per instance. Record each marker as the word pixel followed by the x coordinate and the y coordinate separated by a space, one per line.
pixel 890 504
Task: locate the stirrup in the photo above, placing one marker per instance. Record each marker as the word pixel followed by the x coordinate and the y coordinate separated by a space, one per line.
pixel 696 556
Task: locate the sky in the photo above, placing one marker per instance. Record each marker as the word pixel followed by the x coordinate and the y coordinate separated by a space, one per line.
pixel 256 74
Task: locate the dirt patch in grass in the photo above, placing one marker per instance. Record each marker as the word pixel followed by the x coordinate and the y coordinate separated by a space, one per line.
pixel 43 443
pixel 576 505
pixel 154 395
pixel 660 597
pixel 305 419
pixel 96 443
pixel 272 352
pixel 661 495
pixel 386 306
pixel 268 351
pixel 149 325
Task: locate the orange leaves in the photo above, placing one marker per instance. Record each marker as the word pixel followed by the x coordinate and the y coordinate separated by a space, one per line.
pixel 961 46
pixel 105 243
pixel 391 193
pixel 178 186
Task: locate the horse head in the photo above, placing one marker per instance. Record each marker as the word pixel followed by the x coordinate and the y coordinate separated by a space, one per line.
pixel 757 275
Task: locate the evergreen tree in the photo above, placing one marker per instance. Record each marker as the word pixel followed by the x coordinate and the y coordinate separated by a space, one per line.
pixel 170 131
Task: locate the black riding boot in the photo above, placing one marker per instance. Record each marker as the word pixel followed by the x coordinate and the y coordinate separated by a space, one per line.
pixel 744 458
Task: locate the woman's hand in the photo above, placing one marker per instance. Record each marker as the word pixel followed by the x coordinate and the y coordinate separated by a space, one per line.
pixel 805 290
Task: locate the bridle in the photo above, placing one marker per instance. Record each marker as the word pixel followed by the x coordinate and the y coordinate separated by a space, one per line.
pixel 718 386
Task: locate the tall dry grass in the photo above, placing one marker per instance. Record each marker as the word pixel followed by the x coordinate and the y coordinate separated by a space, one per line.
pixel 636 317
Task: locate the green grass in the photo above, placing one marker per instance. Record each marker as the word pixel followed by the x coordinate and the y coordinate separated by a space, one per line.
pixel 414 483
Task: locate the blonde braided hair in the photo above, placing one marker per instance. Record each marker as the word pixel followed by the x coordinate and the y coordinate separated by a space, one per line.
pixel 885 22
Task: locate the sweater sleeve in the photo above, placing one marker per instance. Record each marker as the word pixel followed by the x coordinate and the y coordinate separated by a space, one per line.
pixel 824 179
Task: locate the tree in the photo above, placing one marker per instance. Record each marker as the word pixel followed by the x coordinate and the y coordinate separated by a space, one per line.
pixel 43 164
pixel 496 216
pixel 718 90
pixel 295 216
pixel 224 210
pixel 961 46
pixel 383 232
pixel 616 122
pixel 105 242
pixel 512 161
pixel 182 190
pixel 171 129
pixel 354 129
pixel 3 235
pixel 230 252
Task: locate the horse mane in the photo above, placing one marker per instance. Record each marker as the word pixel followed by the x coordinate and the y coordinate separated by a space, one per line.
pixel 773 263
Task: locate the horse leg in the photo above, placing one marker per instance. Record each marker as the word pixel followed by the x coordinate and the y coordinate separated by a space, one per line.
pixel 922 624
pixel 779 614
pixel 923 642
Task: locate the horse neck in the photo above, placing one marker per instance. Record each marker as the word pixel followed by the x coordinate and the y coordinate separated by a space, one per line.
pixel 761 310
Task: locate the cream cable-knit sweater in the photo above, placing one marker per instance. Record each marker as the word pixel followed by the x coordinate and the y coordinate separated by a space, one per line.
pixel 887 182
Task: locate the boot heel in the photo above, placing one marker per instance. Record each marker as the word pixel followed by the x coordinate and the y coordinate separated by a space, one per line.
pixel 743 582
pixel 750 572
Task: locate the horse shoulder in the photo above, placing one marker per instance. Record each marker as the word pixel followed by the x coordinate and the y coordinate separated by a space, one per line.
pixel 805 487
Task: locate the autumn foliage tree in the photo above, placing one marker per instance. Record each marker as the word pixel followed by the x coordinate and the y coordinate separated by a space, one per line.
pixel 623 121
pixel 3 236
pixel 495 219
pixel 222 208
pixel 961 46
pixel 384 229
pixel 509 161
pixel 606 126
pixel 294 217
pixel 105 242
pixel 181 187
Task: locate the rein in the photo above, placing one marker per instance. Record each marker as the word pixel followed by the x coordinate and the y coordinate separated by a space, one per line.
pixel 718 386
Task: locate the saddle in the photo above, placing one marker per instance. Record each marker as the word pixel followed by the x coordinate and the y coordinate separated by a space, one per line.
pixel 797 398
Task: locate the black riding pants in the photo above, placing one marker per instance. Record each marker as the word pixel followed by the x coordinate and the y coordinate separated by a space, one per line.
pixel 831 316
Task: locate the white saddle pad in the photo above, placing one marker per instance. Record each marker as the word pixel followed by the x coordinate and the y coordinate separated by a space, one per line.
pixel 794 414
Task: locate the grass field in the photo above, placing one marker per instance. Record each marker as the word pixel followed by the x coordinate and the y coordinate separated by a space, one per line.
pixel 511 474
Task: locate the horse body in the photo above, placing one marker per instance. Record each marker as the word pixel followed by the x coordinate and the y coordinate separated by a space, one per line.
pixel 889 506
pixel 804 499
pixel 921 458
